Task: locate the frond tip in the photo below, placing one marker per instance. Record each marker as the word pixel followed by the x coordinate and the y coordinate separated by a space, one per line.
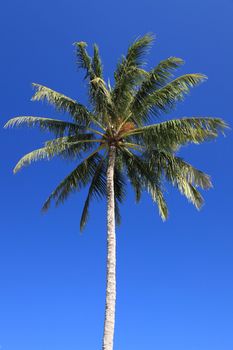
pixel 33 156
pixel 139 49
pixel 158 197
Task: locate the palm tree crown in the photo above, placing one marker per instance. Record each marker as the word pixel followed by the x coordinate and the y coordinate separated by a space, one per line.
pixel 121 118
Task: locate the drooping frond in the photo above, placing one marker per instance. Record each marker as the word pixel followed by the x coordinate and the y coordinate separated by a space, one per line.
pixel 181 174
pixel 97 188
pixel 186 182
pixel 63 103
pixel 176 165
pixel 75 181
pixel 158 197
pixel 58 127
pixel 162 161
pixel 165 98
pixel 173 133
pixel 38 154
pixel 66 147
pixel 139 172
pixel 132 174
pixel 191 193
pixel 145 177
pixel 73 146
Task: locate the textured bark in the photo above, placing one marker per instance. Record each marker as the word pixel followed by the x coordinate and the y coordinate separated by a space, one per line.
pixel 109 322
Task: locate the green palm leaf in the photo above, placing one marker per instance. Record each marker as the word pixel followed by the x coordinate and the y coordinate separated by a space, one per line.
pixel 97 188
pixel 129 72
pixel 96 63
pixel 38 154
pixel 62 103
pixel 144 176
pixel 181 174
pixel 191 193
pixel 100 98
pixel 173 167
pixel 163 72
pixel 158 197
pixel 65 147
pixel 75 181
pixel 175 91
pixel 58 127
pixel 99 95
pixel 165 98
pixel 173 133
pixel 83 59
pixel 133 174
pixel 155 79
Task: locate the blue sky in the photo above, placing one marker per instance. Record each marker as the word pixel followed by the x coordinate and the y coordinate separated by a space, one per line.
pixel 174 279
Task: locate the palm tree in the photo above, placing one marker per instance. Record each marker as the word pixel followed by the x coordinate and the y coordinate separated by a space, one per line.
pixel 114 139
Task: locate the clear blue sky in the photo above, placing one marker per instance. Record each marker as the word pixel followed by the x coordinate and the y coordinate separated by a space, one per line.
pixel 174 279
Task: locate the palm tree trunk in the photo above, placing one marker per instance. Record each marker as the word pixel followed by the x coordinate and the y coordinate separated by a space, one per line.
pixel 111 256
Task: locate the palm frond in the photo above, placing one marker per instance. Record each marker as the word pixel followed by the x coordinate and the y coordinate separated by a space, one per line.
pixel 96 63
pixel 191 193
pixel 173 167
pixel 140 174
pixel 164 71
pixel 99 95
pixel 176 132
pixel 192 175
pixel 75 181
pixel 132 174
pixel 56 126
pixel 181 174
pixel 143 176
pixel 97 188
pixel 73 146
pixel 63 103
pixel 138 50
pixel 68 147
pixel 38 154
pixel 158 197
pixel 129 72
pixel 165 98
pixel 155 79
pixel 83 59
pixel 100 98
